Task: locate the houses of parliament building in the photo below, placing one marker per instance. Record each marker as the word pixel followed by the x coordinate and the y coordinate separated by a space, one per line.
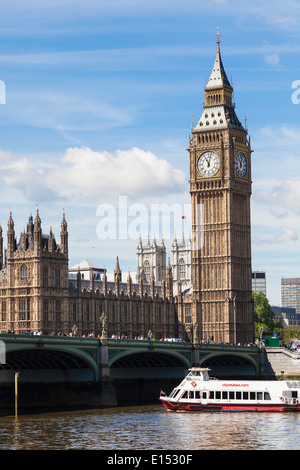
pixel 205 293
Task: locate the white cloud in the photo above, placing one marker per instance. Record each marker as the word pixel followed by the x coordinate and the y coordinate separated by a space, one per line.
pixel 286 195
pixel 276 166
pixel 284 235
pixel 97 175
pixel 86 176
pixel 19 173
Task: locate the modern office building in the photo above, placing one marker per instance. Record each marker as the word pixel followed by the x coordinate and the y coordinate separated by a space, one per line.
pixel 259 282
pixel 290 293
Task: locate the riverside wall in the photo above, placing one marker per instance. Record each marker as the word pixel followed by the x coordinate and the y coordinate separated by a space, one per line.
pixel 279 363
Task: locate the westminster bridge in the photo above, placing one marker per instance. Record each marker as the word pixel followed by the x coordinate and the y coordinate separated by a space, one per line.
pixel 108 372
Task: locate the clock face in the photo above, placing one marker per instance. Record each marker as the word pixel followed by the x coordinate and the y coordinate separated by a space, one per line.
pixel 208 164
pixel 241 164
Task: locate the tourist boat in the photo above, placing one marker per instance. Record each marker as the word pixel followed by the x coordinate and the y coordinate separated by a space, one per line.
pixel 199 392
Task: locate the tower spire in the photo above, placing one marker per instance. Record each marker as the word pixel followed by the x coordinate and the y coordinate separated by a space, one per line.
pixel 219 107
pixel 218 78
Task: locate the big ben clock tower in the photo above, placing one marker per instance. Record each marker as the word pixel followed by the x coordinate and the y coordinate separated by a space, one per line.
pixel 220 187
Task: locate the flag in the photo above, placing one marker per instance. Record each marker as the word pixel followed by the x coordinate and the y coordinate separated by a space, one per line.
pixel 162 393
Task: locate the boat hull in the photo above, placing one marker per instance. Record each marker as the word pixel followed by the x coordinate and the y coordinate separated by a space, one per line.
pixel 184 406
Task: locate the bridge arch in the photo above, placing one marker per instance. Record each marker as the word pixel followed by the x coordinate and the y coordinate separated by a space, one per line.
pixel 148 363
pixel 151 357
pixel 42 362
pixel 230 363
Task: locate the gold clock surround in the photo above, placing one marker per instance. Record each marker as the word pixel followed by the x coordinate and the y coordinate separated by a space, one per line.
pixel 199 154
pixel 246 155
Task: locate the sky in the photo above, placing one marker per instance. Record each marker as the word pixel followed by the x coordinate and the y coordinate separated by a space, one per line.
pixel 97 99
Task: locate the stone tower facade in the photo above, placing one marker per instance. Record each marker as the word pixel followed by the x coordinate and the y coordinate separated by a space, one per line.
pixel 220 188
pixel 182 260
pixel 151 261
pixel 34 279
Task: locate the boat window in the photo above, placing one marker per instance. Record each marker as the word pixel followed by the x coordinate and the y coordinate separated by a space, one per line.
pixel 176 392
pixel 252 395
pixel 218 395
pixel 245 395
pixel 231 395
pixel 225 395
pixel 204 395
pixel 191 394
pixel 197 394
pixel 194 374
pixel 238 395
pixel 259 395
pixel 211 395
pixel 267 396
pixel 294 394
pixel 185 394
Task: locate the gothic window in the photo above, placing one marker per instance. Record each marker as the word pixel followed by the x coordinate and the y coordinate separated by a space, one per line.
pixel 113 314
pixel 146 314
pixel 137 312
pixel 24 309
pixel 3 310
pixel 45 310
pixel 125 314
pixel 57 277
pixel 182 269
pixel 159 316
pixel 58 310
pixel 147 270
pixel 187 314
pixel 74 311
pixel 24 273
pixel 45 276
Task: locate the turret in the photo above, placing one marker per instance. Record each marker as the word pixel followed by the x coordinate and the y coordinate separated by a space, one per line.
pixel 169 282
pixel 64 236
pixel 11 244
pixel 104 280
pixel 37 233
pixel 117 272
pixel 51 242
pixel 117 276
pixel 129 284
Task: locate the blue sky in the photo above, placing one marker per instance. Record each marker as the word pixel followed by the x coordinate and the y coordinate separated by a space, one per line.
pixel 100 97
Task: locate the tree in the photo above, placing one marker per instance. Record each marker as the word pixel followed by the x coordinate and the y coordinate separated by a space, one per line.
pixel 290 332
pixel 264 317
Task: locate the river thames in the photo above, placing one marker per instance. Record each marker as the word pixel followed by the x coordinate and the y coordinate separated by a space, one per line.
pixel 150 428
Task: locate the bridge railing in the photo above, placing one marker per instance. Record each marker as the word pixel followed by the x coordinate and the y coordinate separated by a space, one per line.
pixel 11 337
pixel 147 342
pixel 244 348
pixel 89 340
